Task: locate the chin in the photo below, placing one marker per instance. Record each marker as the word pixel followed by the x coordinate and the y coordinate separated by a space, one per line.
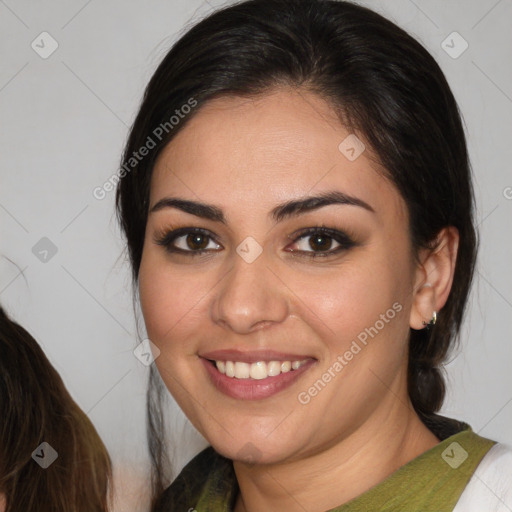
pixel 254 449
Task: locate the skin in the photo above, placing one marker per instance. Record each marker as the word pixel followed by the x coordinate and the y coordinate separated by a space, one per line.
pixel 246 156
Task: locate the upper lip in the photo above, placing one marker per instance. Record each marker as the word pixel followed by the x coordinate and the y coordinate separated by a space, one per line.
pixel 252 356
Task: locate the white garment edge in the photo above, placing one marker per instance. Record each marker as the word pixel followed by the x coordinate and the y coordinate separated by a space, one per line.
pixel 490 487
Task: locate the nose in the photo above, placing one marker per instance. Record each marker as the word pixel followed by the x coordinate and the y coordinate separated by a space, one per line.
pixel 250 297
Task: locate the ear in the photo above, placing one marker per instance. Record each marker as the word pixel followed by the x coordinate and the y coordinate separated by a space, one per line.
pixel 434 277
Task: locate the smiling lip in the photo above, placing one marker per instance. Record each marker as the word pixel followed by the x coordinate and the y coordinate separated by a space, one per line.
pixel 252 389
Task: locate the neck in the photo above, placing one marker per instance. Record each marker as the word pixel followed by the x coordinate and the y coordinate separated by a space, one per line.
pixel 333 476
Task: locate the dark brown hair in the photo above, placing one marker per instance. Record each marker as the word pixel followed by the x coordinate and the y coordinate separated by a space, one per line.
pixel 35 407
pixel 385 86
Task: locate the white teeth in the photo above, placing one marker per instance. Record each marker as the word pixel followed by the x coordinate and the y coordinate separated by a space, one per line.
pixel 258 370
pixel 230 369
pixel 242 370
pixel 273 368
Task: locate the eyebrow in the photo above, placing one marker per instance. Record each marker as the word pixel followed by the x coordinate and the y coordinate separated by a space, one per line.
pixel 285 210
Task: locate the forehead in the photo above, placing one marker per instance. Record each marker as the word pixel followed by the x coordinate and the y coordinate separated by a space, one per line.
pixel 260 151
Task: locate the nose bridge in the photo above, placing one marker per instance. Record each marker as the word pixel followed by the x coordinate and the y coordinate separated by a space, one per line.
pixel 250 294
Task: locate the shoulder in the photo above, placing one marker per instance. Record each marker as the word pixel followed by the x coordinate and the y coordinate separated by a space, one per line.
pixel 185 490
pixel 490 487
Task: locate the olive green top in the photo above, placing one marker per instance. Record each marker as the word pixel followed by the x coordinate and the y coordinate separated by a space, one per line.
pixel 431 482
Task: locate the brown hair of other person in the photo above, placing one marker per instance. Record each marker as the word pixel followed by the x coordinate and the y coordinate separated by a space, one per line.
pixel 35 407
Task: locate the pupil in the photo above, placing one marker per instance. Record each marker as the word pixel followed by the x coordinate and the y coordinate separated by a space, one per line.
pixel 196 239
pixel 322 242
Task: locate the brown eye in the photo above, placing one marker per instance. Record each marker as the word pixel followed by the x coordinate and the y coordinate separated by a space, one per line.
pixel 190 241
pixel 197 241
pixel 321 241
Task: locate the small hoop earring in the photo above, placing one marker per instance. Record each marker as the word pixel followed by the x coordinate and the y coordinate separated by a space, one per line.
pixel 433 320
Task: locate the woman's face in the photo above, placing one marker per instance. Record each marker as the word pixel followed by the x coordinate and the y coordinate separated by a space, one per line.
pixel 266 293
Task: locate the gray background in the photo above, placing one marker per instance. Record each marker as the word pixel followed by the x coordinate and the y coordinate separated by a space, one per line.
pixel 63 123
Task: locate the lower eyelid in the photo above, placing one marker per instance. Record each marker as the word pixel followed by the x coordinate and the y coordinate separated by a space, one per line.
pixel 168 238
pixel 211 240
pixel 342 239
pixel 340 244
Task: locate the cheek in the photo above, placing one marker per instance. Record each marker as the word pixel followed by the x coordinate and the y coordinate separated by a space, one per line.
pixel 341 301
pixel 352 298
pixel 171 298
pixel 360 316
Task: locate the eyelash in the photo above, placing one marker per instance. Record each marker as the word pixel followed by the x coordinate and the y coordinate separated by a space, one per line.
pixel 166 239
